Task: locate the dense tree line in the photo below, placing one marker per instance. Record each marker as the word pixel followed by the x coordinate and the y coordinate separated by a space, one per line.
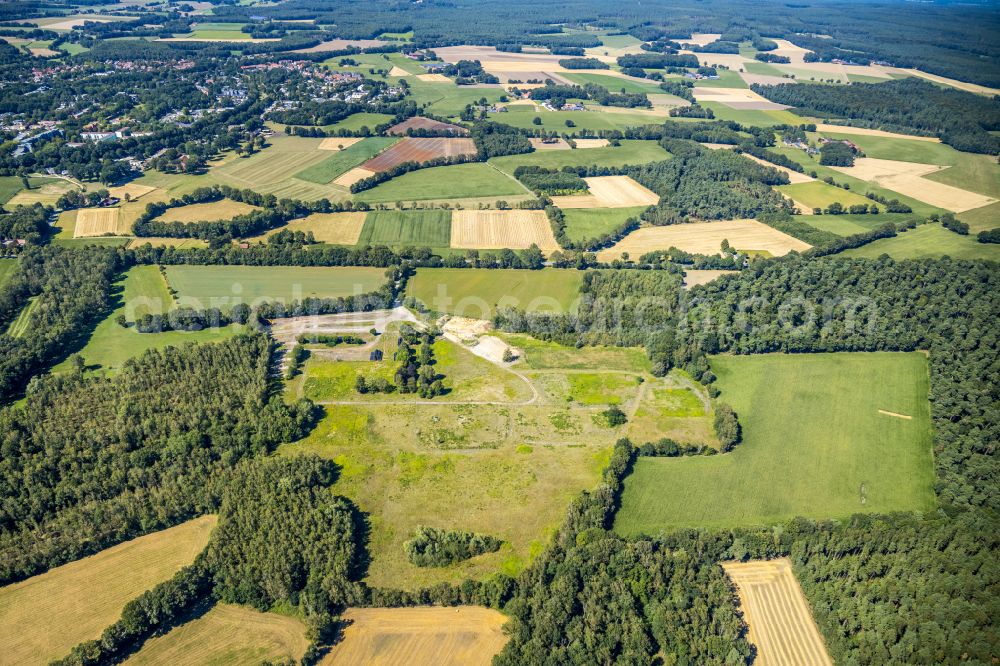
pixel 960 119
pixel 550 181
pixel 27 223
pixel 431 547
pixel 91 461
pixel 559 94
pixel 583 63
pixel 494 140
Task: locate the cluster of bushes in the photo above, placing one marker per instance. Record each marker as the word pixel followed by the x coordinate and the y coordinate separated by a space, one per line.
pixel 836 153
pixel 494 140
pixel 27 223
pixel 990 236
pixel 694 110
pixel 772 58
pixel 558 94
pixel 657 60
pixel 550 181
pixel 329 340
pixel 837 208
pixel 415 371
pixel 296 357
pixel 431 547
pixel 467 72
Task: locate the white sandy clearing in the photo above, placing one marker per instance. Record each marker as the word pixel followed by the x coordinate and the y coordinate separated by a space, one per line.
pixel 907 179
pixel 590 143
pixel 794 177
pixel 433 78
pixel 353 176
pixel 466 328
pixel 500 229
pixel 558 144
pixel 337 143
pixel 864 131
pixel 705 238
pixel 609 192
pixel 398 71
pixel 780 621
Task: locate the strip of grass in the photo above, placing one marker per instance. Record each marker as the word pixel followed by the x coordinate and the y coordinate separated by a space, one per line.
pixel 431 228
pixel 586 223
pixel 629 152
pixel 345 160
pixel 818 194
pixel 225 286
pixel 356 121
pixel 7 267
pixel 814 445
pixel 928 240
pixel 523 117
pixel 448 182
pixel 613 83
pixel 478 293
pixel 848 225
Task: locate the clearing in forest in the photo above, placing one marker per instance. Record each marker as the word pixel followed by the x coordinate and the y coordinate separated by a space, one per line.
pixel 44 617
pixel 705 238
pixel 609 192
pixel 227 634
pixel 907 178
pixel 96 222
pixel 781 624
pixel 460 636
pixel 499 229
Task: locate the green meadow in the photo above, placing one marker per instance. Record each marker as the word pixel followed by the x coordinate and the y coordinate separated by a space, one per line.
pixel 477 293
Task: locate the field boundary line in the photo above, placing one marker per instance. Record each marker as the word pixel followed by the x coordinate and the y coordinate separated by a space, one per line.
pixel 895 414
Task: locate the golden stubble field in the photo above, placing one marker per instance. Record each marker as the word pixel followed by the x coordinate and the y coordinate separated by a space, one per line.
pixel 333 228
pixel 609 192
pixel 426 636
pixel 498 229
pixel 781 624
pixel 96 222
pixel 705 238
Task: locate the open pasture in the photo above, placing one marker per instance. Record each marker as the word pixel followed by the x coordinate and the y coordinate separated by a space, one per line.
pixel 780 621
pixel 463 636
pixel 413 149
pixel 344 160
pixel 908 178
pixel 609 192
pixel 585 223
pixel 459 181
pixel 476 293
pixel 629 152
pixel 45 191
pixel 45 616
pixel 705 238
pixel 791 462
pixel 223 209
pixel 421 123
pixel 333 228
pixel 356 121
pixel 225 286
pixel 431 228
pixel 928 240
pixel 499 229
pixel 226 634
pixel 97 222
pixel 817 194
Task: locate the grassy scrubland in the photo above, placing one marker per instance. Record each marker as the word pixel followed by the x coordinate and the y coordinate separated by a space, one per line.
pixel 477 293
pixel 814 445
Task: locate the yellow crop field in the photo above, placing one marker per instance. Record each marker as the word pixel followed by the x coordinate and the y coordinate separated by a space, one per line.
pixel 781 624
pixel 609 192
pixel 462 636
pixel 337 143
pixel 97 222
pixel 133 190
pixel 227 634
pixel 907 178
pixel 334 228
pixel 353 176
pixel 44 617
pixel 224 209
pixel 705 238
pixel 498 229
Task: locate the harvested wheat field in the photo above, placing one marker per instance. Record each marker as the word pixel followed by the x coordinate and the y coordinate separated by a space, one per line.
pixel 907 179
pixel 433 78
pixel 398 71
pixel 737 98
pixel 549 144
pixel 224 209
pixel 794 177
pixel 96 222
pixel 133 190
pixel 421 123
pixel 43 617
pixel 499 229
pixel 865 131
pixel 590 143
pixel 465 635
pixel 694 277
pixel 705 238
pixel 354 175
pixel 413 149
pixel 227 634
pixel 780 621
pixel 609 192
pixel 338 143
pixel 333 228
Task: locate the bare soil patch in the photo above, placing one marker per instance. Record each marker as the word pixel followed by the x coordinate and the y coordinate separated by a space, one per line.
pixel 499 229
pixel 781 624
pixel 338 143
pixel 413 149
pixel 464 635
pixel 421 123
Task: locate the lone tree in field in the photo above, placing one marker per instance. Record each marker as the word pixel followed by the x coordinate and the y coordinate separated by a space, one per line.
pixel 727 426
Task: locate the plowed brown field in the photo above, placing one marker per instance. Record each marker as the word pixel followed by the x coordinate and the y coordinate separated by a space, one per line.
pixel 412 149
